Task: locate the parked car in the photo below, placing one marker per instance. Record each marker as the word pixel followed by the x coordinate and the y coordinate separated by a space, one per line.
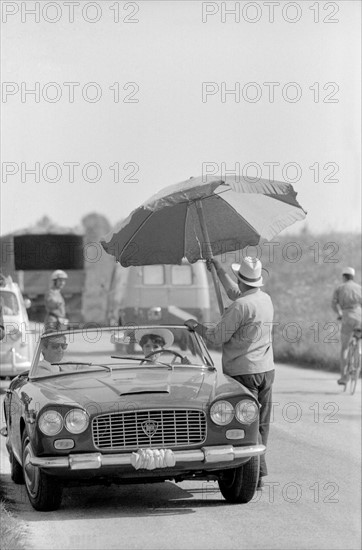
pixel 17 346
pixel 83 415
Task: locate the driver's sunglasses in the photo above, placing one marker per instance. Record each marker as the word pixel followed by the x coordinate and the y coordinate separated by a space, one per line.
pixel 58 346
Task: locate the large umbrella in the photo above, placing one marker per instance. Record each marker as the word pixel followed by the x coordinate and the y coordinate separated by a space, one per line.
pixel 196 219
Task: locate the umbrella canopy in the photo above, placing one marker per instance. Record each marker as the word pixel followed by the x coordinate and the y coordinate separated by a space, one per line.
pixel 195 219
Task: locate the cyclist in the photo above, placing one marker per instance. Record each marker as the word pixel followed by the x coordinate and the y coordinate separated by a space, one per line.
pixel 54 301
pixel 347 303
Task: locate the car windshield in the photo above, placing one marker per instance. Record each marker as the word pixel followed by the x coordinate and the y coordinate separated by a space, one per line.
pixel 9 303
pixel 118 347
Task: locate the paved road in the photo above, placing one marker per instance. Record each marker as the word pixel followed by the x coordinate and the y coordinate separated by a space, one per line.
pixel 312 498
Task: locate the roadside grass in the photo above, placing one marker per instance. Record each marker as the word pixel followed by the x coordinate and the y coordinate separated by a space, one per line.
pixel 12 532
pixel 304 270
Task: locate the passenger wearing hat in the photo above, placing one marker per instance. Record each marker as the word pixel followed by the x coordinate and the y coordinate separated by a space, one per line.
pixel 245 332
pixel 153 341
pixel 156 340
pixel 347 303
pixel 54 300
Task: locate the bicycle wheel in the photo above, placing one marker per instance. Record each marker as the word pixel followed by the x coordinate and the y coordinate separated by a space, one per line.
pixel 355 368
pixel 349 366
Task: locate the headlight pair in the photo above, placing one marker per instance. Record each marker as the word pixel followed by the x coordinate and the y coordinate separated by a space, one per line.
pixel 245 411
pixel 75 421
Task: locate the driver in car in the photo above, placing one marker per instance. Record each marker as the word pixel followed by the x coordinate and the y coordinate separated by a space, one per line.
pixel 159 339
pixel 52 349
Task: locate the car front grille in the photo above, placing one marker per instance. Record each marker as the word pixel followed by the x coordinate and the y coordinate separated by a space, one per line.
pixel 154 428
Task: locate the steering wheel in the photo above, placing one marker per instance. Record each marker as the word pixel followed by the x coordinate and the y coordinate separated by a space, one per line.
pixel 157 351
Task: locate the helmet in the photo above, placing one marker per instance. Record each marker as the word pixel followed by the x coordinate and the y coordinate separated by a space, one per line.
pixel 348 271
pixel 59 274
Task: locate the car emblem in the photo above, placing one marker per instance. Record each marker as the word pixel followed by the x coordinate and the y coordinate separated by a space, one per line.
pixel 149 427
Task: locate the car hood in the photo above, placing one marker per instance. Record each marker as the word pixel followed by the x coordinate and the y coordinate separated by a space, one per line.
pixel 140 386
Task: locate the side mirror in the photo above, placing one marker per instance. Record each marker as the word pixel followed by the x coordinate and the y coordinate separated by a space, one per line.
pixel 27 303
pixel 120 338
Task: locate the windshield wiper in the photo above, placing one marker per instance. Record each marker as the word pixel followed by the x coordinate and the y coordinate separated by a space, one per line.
pixel 84 364
pixel 142 360
pixel 72 363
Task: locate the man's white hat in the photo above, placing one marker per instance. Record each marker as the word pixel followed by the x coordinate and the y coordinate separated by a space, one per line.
pixel 163 332
pixel 59 274
pixel 348 271
pixel 249 271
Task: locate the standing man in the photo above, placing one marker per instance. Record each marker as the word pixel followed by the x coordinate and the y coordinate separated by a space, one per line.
pixel 54 301
pixel 347 303
pixel 245 332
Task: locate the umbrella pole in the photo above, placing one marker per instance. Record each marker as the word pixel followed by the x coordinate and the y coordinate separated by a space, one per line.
pixel 209 255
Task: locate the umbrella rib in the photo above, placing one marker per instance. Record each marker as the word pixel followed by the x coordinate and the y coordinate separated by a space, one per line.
pixel 242 217
pixel 134 234
pixel 231 207
pixel 276 196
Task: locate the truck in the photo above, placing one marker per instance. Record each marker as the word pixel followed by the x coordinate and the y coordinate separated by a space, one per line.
pixel 30 260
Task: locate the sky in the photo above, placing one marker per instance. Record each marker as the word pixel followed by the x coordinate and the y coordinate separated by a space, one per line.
pixel 130 97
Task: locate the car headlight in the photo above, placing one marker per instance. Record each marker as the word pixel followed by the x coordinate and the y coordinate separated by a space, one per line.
pixel 246 411
pixel 76 421
pixel 50 422
pixel 222 413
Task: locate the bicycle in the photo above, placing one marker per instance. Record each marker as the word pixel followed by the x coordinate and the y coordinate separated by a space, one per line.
pixel 354 361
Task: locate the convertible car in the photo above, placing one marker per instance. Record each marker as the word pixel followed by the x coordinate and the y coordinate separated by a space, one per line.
pixel 87 414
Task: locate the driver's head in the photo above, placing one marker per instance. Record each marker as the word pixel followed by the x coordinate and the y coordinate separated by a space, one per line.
pixel 151 342
pixel 53 348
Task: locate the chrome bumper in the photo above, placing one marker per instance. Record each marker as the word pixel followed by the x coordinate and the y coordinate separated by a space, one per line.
pixel 91 461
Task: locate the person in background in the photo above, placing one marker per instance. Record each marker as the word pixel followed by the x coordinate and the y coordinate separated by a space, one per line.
pixel 245 332
pixel 54 301
pixel 347 303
